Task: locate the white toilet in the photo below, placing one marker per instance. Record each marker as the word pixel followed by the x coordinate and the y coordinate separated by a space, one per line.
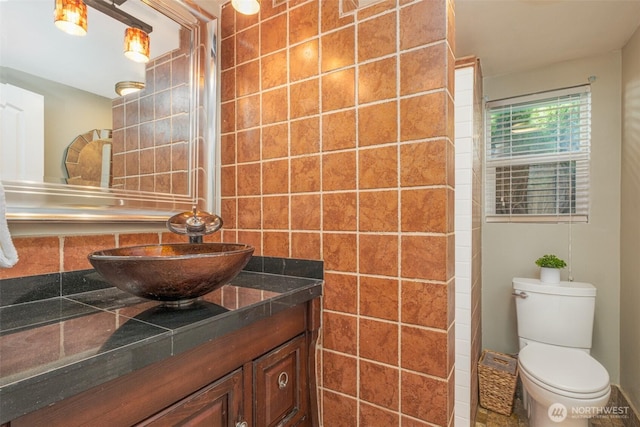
pixel 563 385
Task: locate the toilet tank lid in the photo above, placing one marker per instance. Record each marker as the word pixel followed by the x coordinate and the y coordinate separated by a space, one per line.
pixel 563 288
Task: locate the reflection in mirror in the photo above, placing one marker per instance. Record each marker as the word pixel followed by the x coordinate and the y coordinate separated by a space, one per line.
pixel 72 148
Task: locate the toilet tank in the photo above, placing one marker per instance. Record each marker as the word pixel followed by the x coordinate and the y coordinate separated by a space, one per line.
pixel 560 314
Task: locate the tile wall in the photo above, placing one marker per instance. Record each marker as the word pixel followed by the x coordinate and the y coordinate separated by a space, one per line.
pixel 477 210
pixel 337 144
pixel 53 254
pixel 151 128
pixel 468 211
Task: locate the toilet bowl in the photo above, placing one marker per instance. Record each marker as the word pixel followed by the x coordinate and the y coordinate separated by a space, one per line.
pixel 563 386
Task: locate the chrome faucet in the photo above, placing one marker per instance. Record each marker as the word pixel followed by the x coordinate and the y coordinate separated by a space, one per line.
pixel 194 224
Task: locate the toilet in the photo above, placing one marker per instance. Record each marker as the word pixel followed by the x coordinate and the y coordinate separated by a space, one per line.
pixel 563 385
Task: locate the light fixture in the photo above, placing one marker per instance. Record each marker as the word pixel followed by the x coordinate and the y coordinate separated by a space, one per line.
pixel 127 87
pixel 71 16
pixel 247 7
pixel 136 45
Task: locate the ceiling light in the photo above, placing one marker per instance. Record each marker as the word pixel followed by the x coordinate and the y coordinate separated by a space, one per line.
pixel 247 7
pixel 71 16
pixel 127 87
pixel 136 45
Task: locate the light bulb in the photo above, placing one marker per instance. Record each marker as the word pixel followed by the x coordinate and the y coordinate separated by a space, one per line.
pixel 247 7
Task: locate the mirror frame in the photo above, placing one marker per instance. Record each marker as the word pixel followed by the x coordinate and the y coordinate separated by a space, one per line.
pixel 35 201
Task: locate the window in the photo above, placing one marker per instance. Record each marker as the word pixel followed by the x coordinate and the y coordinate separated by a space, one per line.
pixel 537 157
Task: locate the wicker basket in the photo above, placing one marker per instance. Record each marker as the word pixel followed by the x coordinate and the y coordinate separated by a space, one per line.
pixel 498 374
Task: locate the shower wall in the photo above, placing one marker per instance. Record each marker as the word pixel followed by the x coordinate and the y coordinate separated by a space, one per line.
pixel 469 142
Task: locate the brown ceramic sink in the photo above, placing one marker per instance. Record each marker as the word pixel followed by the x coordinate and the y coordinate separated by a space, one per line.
pixel 174 273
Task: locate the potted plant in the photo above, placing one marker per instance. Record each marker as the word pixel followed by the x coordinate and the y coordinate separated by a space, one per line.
pixel 550 266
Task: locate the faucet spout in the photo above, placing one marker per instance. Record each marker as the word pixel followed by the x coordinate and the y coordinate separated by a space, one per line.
pixel 194 224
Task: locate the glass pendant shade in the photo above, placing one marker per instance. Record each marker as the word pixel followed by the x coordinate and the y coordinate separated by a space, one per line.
pixel 71 16
pixel 246 7
pixel 136 45
pixel 127 87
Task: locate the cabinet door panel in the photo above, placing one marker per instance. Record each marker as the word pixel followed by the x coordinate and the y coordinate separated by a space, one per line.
pixel 216 405
pixel 279 379
pixel 280 387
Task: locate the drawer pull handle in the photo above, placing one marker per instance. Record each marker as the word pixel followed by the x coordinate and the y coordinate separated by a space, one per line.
pixel 242 424
pixel 283 380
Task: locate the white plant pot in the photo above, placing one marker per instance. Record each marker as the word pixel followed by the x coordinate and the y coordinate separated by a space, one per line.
pixel 550 275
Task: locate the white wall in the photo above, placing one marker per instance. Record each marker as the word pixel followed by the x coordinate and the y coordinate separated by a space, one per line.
pixel 68 112
pixel 510 249
pixel 630 224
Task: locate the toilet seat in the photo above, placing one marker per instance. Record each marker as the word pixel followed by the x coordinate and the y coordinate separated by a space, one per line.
pixel 563 371
pixel 563 393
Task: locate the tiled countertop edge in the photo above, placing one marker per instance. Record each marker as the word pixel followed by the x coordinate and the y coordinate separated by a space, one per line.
pixel 43 389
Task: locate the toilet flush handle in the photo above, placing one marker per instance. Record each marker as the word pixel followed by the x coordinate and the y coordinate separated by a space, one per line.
pixel 520 294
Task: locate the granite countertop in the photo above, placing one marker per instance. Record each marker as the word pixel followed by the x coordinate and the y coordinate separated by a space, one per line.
pixel 55 347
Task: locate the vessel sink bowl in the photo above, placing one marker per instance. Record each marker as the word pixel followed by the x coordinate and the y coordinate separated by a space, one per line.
pixel 174 273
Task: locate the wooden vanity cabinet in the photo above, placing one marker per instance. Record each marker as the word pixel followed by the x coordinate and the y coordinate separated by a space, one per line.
pixel 261 375
pixel 217 405
pixel 279 381
pixel 277 390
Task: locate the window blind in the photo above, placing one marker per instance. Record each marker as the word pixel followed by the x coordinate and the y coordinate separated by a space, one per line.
pixel 537 157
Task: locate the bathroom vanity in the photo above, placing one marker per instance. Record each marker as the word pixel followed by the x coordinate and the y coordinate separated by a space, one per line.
pixel 243 355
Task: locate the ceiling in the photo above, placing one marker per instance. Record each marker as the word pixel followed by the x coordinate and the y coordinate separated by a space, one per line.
pixel 515 35
pixel 507 35
pixel 31 43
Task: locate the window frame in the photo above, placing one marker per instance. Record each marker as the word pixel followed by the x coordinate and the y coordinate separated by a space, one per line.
pixel 580 194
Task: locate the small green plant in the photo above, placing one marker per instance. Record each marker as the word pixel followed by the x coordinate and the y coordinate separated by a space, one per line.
pixel 550 261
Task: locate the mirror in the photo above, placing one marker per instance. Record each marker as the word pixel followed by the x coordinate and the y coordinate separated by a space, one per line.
pixel 72 149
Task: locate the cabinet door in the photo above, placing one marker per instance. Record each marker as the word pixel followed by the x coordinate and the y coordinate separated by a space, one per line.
pixel 280 378
pixel 216 405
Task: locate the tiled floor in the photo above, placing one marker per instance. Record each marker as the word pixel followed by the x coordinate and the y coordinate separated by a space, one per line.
pixel 486 418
